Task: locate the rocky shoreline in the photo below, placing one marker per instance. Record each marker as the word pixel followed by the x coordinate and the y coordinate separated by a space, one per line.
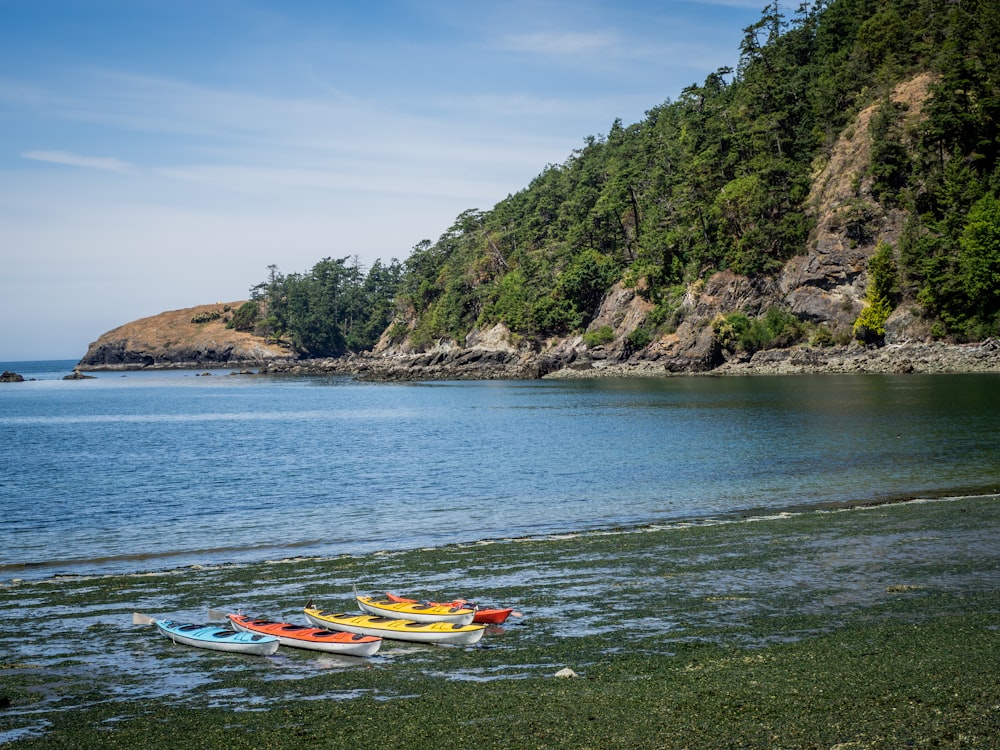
pixel 566 362
pixel 485 364
pixel 173 341
pixel 938 357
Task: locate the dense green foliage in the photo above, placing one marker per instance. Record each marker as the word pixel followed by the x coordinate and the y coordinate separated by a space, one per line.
pixel 951 180
pixel 880 296
pixel 206 317
pixel 740 333
pixel 718 180
pixel 334 309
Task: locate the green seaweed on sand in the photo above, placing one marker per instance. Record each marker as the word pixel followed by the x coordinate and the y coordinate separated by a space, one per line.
pixel 863 628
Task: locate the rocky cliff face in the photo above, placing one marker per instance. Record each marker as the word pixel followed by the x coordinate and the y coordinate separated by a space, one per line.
pixel 825 286
pixel 189 338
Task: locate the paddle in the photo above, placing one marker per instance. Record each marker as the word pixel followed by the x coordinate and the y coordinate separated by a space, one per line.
pixel 215 614
pixel 141 619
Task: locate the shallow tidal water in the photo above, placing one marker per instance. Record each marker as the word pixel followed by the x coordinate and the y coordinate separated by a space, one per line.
pixel 742 584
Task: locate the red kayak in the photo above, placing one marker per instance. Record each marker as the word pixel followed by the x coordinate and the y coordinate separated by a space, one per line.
pixel 490 616
pixel 304 636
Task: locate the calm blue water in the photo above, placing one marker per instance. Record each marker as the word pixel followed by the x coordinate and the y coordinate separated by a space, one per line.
pixel 146 471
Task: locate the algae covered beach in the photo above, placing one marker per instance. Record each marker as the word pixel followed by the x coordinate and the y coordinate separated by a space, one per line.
pixel 866 627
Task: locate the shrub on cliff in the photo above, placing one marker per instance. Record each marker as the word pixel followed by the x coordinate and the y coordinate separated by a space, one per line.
pixel 245 317
pixel 880 297
pixel 603 335
pixel 738 332
pixel 205 316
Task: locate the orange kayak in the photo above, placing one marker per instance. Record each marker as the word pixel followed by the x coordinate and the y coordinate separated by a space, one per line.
pixel 489 616
pixel 307 637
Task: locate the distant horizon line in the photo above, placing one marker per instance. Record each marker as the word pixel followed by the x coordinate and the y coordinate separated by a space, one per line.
pixel 39 359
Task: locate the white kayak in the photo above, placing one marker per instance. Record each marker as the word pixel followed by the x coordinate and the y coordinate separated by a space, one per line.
pixel 416 611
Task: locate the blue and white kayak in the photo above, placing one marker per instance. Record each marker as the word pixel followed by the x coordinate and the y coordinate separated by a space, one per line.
pixel 211 637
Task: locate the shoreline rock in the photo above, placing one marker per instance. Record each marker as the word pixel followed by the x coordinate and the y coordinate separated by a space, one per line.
pixel 77 375
pixel 481 364
pixel 924 358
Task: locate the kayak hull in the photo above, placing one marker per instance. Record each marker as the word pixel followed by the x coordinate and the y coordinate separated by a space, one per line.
pixel 493 616
pixel 396 629
pixel 214 638
pixel 309 638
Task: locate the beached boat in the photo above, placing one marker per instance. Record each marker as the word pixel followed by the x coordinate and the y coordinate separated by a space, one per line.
pixel 415 611
pixel 487 615
pixel 451 633
pixel 304 636
pixel 211 637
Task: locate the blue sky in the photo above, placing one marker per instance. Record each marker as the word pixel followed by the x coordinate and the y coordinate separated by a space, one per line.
pixel 160 154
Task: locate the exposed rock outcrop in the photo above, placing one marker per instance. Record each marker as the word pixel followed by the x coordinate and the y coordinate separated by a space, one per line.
pixel 174 340
pixel 933 357
pixel 827 284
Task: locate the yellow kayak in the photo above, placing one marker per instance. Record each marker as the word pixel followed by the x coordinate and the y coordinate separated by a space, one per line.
pixel 416 611
pixel 401 630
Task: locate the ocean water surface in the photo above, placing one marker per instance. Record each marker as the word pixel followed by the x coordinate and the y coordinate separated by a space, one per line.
pixel 142 471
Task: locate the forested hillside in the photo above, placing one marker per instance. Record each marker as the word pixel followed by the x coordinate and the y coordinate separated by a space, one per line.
pixel 719 180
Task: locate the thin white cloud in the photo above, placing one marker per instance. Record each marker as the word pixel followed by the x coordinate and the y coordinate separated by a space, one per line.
pixel 748 4
pixel 105 163
pixel 404 180
pixel 264 143
pixel 561 43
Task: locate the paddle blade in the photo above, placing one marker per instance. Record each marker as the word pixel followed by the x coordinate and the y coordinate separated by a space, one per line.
pixel 140 619
pixel 217 614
